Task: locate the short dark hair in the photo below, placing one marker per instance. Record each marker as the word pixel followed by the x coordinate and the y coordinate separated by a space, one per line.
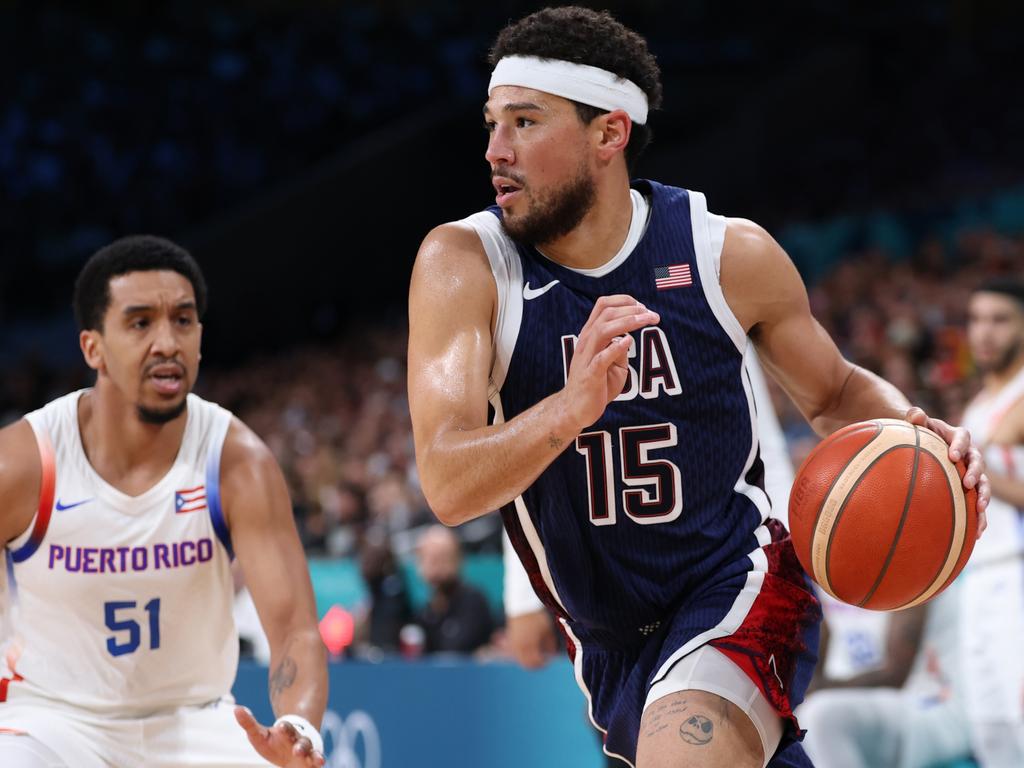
pixel 585 36
pixel 136 253
pixel 1008 286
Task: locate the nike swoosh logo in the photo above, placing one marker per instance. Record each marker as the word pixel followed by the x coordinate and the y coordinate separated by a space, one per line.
pixel 61 507
pixel 533 293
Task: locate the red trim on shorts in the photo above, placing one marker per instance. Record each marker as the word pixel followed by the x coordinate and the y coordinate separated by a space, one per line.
pixel 6 681
pixel 770 640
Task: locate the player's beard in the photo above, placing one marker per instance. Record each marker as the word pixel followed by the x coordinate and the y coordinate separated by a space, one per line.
pixel 1005 360
pixel 556 213
pixel 163 415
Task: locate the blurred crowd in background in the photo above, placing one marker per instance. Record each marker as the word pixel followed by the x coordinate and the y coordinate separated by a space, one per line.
pixel 167 118
pixel 336 416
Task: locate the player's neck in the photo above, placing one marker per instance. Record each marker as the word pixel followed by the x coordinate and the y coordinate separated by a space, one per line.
pixel 996 380
pixel 596 240
pixel 128 453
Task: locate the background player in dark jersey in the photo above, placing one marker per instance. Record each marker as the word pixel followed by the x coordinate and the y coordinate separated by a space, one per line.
pixel 606 325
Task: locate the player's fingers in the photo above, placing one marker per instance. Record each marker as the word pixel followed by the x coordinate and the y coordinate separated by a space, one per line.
pixel 252 728
pixel 916 415
pixel 606 330
pixel 610 306
pixel 302 747
pixel 984 492
pixel 975 466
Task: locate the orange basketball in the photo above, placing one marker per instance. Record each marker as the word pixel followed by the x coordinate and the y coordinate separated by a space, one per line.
pixel 879 515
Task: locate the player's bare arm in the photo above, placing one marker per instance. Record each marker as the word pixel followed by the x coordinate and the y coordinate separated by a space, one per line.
pixel 768 297
pixel 20 478
pixel 468 467
pixel 266 542
pixel 1009 432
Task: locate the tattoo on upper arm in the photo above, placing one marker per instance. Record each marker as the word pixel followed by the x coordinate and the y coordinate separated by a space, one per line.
pixel 282 677
pixel 697 730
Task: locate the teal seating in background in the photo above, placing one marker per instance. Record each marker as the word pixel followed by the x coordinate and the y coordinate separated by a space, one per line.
pixel 338 581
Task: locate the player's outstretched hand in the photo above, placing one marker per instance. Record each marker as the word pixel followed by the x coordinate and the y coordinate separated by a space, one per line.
pixel 279 744
pixel 960 447
pixel 599 369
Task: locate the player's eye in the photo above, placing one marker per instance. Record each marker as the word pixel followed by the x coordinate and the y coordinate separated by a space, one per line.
pixel 489 126
pixel 139 323
pixel 523 122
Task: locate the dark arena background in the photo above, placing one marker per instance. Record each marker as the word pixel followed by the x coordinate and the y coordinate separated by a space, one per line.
pixel 301 150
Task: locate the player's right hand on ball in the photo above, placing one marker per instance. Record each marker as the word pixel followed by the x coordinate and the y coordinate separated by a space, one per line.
pixel 281 744
pixel 599 369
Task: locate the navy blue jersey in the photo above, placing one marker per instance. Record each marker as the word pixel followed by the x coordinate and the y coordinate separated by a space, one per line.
pixel 662 498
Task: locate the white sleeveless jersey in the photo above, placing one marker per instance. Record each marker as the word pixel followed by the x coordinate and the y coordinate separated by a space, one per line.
pixel 992 584
pixel 122 604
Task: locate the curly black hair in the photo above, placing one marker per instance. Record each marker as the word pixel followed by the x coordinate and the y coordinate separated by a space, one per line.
pixel 135 253
pixel 585 36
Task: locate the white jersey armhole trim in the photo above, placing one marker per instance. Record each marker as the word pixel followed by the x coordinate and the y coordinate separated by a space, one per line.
pixel 709 266
pixel 507 270
pixel 518 594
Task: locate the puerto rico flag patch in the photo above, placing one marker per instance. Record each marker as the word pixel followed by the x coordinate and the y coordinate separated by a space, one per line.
pixel 672 276
pixel 190 500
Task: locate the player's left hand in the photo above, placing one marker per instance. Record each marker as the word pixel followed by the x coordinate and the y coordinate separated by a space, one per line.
pixel 960 447
pixel 279 744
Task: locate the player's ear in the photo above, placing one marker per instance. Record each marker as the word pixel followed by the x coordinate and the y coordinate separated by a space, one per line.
pixel 91 343
pixel 614 130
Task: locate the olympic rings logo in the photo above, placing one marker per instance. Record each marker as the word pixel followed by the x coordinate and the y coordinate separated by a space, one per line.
pixel 345 733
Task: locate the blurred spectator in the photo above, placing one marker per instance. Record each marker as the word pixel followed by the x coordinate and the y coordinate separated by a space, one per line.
pixel 456 617
pixel 380 620
pixel 907 713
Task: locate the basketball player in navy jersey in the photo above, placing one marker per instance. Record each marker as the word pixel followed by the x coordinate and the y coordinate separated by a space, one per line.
pixel 605 324
pixel 123 506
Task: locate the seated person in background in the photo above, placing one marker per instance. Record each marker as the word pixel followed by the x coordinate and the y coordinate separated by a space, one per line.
pixel 380 619
pixel 456 618
pixel 906 713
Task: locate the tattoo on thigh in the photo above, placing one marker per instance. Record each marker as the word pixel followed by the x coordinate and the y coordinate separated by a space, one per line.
pixel 697 730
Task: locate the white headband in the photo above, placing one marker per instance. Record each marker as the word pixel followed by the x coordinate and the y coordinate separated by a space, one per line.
pixel 577 82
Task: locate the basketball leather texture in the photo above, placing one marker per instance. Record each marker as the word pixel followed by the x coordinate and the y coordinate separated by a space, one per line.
pixel 879 515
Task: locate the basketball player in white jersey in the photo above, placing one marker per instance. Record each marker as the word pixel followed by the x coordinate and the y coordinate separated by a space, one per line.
pixel 123 506
pixel 992 594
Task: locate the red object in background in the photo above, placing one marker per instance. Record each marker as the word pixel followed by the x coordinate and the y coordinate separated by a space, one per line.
pixel 337 628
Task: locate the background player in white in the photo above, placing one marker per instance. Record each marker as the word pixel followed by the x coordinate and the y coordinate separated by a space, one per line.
pixel 992 585
pixel 120 506
pixel 548 162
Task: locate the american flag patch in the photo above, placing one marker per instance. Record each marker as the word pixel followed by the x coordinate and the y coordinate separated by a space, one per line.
pixel 672 276
pixel 190 500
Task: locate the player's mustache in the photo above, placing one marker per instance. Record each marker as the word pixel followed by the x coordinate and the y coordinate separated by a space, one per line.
pixel 164 361
pixel 504 171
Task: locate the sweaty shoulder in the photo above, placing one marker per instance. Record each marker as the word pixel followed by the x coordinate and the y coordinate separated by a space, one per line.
pixel 248 468
pixel 452 265
pixel 20 478
pixel 759 280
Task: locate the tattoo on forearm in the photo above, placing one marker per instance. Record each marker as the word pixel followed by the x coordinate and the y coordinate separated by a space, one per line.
pixel 697 730
pixel 555 442
pixel 282 677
